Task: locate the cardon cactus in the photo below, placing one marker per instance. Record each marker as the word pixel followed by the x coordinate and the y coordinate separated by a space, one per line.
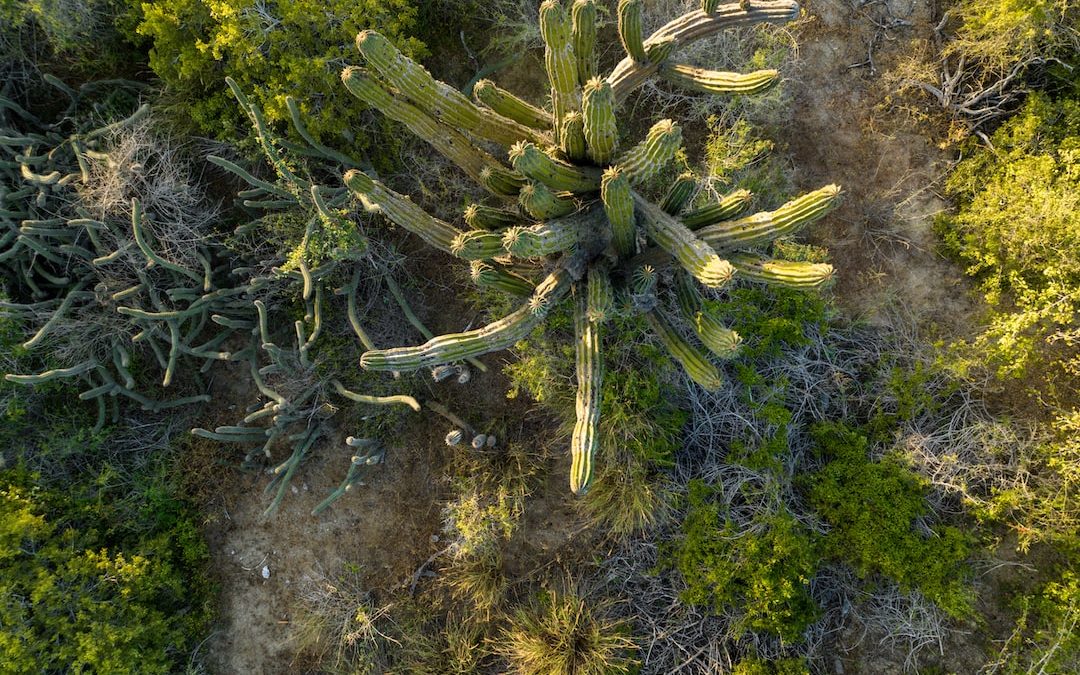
pixel 566 202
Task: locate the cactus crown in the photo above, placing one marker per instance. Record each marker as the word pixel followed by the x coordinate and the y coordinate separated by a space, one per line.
pixel 566 173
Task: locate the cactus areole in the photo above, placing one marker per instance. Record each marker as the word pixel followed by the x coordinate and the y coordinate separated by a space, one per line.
pixel 565 218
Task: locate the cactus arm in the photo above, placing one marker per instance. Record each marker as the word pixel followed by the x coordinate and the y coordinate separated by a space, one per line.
pixel 692 253
pixel 57 314
pixel 630 30
pixel 559 60
pixel 411 317
pixel 572 137
pixel 692 26
pixel 480 217
pixel 436 98
pixel 696 364
pixel 488 275
pixel 718 338
pixel 542 239
pixel 718 82
pixel 541 203
pixel 600 125
pixel 54 374
pixel 583 29
pixel 447 141
pixel 477 245
pixel 589 363
pixel 761 228
pixel 601 295
pixel 140 239
pixel 512 107
pixel 782 272
pixel 618 200
pixel 400 210
pixel 536 164
pixel 652 154
pixel 375 400
pixel 495 336
pixel 728 207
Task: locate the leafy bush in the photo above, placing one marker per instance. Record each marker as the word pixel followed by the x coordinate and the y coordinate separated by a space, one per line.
pixel 273 50
pixel 1046 639
pixel 1018 231
pixel 765 570
pixel 873 509
pixel 79 597
pixel 1004 32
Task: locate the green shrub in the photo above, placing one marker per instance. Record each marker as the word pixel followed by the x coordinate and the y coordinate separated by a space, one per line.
pixel 273 50
pixel 1003 32
pixel 77 598
pixel 765 571
pixel 872 508
pixel 1018 231
pixel 755 666
pixel 1046 639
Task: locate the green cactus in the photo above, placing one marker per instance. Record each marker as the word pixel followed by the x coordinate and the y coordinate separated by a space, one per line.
pixel 569 175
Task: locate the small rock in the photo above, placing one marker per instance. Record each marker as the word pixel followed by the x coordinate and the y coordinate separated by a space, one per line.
pixel 434 539
pixel 266 572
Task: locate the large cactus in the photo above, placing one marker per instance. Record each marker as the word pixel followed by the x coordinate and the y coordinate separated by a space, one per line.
pixel 565 169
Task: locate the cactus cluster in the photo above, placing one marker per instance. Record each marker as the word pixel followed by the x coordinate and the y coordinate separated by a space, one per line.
pixel 566 216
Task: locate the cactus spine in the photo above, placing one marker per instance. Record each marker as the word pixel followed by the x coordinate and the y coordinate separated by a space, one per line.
pixel 589 363
pixel 645 159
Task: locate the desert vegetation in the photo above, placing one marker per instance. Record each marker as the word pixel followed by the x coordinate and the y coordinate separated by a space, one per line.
pixel 574 336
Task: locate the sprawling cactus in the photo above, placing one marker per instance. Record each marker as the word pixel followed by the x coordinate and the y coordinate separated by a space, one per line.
pixel 566 198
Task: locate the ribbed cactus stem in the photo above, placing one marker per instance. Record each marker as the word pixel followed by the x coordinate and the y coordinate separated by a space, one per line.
pixel 618 200
pixel 536 164
pixel 766 226
pixel 652 154
pixel 583 23
pixel 508 105
pixel 709 6
pixel 729 206
pixel 436 98
pixel 377 198
pixel 585 438
pixel 694 255
pixel 659 50
pixel 792 274
pixel 694 362
pixel 679 194
pixel 601 295
pixel 601 126
pixel 542 239
pixel 644 279
pixel 137 228
pixel 559 59
pixel 375 400
pixel 477 245
pixel 502 181
pixel 495 336
pixel 572 137
pixel 718 338
pixel 718 82
pixel 448 141
pixel 630 30
pixel 489 275
pixel 541 203
pixel 49 375
pixel 630 73
pixel 480 217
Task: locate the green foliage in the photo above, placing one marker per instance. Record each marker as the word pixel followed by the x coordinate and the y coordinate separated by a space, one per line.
pixel 81 597
pixel 738 157
pixel 1018 231
pixel 1003 32
pixel 872 508
pixel 765 571
pixel 771 319
pixel 755 666
pixel 273 50
pixel 1046 639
